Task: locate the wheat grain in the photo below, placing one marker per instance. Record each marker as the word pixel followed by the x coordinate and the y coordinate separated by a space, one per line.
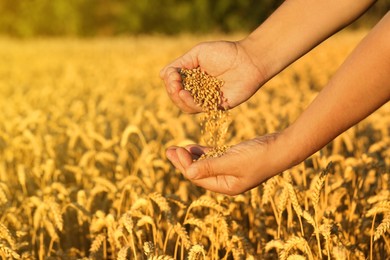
pixel 206 91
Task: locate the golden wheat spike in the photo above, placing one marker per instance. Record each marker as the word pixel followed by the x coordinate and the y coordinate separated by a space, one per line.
pixel 7 236
pixel 383 227
pixel 196 222
pixel 295 242
pixel 294 199
pixel 149 249
pixel 122 254
pixel 100 181
pixel 160 201
pixel 56 213
pixel 209 203
pixel 8 252
pixel 319 185
pixel 382 195
pixel 275 243
pixel 309 218
pixel 380 207
pixel 183 235
pixel 146 220
pixel 268 190
pixel 196 251
pixel 127 221
pixel 282 200
pixel 132 129
pixel 97 243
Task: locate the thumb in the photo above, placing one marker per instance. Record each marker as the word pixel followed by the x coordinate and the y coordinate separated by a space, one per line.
pixel 209 167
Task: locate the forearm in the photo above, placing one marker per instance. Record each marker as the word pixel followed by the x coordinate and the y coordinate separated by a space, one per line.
pixel 361 85
pixel 295 28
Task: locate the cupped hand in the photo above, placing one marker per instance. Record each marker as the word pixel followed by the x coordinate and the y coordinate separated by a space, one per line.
pixel 225 60
pixel 243 166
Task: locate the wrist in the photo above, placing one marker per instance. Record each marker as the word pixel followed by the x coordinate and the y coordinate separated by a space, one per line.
pixel 262 60
pixel 287 151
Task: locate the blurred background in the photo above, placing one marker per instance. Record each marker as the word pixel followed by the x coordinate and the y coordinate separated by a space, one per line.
pixel 88 18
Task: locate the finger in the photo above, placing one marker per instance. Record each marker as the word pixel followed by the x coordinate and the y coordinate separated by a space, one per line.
pixel 172 156
pixel 197 150
pixel 180 157
pixel 188 60
pixel 212 167
pixel 184 157
pixel 217 174
pixel 187 99
pixel 178 95
pixel 225 184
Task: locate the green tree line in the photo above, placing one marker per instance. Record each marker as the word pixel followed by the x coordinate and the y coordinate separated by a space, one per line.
pixel 27 18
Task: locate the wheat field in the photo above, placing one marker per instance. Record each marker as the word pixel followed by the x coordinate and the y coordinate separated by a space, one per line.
pixel 84 125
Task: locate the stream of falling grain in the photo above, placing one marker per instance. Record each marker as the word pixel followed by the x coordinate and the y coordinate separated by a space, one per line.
pixel 206 91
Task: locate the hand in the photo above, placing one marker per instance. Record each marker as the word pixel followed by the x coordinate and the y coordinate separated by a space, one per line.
pixel 227 61
pixel 242 167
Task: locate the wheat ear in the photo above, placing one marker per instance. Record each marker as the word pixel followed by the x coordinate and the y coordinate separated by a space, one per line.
pixel 383 227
